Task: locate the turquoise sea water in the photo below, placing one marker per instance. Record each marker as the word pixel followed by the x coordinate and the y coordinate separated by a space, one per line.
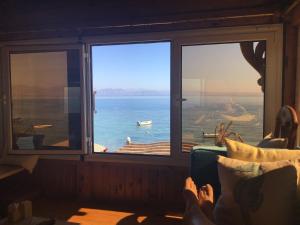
pixel 116 119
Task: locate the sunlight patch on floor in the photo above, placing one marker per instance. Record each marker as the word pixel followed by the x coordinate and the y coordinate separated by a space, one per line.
pixel 93 216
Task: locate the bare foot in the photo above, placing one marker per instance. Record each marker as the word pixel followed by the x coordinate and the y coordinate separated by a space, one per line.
pixel 190 193
pixel 199 206
pixel 206 194
pixel 206 200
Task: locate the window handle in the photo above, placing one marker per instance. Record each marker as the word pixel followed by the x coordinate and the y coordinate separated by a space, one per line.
pixel 178 101
pixel 94 102
pixel 181 99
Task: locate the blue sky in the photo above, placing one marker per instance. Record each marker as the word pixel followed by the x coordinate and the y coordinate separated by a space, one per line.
pixel 221 67
pixel 132 66
pixel 215 68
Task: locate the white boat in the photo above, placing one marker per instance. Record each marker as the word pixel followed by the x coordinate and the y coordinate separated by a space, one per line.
pixel 208 135
pixel 144 122
pixel 128 140
pixel 99 148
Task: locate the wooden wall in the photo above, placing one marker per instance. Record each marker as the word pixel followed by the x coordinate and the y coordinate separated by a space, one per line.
pixel 111 181
pixel 290 64
pixel 291 25
pixel 1 113
pixel 56 18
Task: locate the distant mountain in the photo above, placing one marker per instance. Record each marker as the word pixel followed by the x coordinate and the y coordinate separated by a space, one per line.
pixel 36 92
pixel 131 92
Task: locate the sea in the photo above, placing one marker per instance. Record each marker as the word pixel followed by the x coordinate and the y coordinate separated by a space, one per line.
pixel 116 119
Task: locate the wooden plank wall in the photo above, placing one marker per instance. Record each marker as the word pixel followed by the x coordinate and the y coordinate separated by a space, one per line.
pixel 49 19
pixel 1 112
pixel 290 64
pixel 291 26
pixel 111 181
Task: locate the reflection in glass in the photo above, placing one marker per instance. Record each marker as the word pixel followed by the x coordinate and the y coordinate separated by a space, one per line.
pixel 45 89
pixel 222 88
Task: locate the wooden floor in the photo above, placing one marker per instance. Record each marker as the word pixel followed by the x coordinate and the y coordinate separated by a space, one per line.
pixel 104 214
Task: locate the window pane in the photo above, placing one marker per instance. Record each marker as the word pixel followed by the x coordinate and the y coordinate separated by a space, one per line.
pixel 131 85
pixel 219 86
pixel 46 106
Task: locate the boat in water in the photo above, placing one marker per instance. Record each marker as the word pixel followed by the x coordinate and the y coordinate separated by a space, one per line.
pixel 100 148
pixel 144 123
pixel 209 135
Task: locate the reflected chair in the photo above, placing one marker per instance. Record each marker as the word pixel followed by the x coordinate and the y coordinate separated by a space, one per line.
pixel 286 125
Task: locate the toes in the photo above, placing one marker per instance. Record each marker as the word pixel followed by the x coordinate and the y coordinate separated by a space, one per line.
pixel 188 183
pixel 201 194
pixel 193 185
pixel 210 190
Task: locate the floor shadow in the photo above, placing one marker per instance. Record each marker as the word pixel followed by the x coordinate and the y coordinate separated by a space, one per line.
pixel 104 213
pixel 137 219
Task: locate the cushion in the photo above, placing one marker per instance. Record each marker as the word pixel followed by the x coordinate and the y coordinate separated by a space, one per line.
pixel 255 193
pixel 270 142
pixel 25 142
pixel 242 151
pixel 204 168
pixel 27 162
pixel 238 150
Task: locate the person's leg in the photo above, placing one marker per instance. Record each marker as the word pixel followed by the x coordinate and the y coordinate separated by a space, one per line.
pixel 194 214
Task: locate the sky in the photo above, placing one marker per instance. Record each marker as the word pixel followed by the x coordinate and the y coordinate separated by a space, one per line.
pixel 38 74
pixel 132 66
pixel 216 68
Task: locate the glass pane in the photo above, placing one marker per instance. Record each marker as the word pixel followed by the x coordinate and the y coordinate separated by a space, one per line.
pixel 46 106
pixel 132 98
pixel 221 89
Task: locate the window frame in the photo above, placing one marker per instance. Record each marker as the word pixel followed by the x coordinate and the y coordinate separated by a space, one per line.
pixel 126 157
pixel 7 103
pixel 273 34
pixel 273 84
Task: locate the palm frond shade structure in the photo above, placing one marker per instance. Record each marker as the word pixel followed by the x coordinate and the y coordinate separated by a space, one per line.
pixel 256 57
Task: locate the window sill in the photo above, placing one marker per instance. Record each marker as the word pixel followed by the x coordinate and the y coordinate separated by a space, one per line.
pixel 182 161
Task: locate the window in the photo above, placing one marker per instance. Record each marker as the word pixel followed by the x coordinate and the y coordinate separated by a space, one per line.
pixel 46 102
pixel 221 90
pixel 131 87
pixel 140 98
